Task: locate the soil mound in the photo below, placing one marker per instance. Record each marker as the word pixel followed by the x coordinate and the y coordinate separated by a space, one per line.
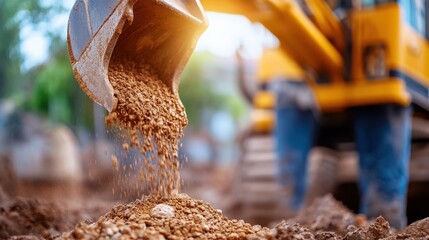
pixel 153 118
pixel 38 219
pixel 162 217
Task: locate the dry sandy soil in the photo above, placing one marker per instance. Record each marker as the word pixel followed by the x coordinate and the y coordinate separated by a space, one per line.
pixel 181 217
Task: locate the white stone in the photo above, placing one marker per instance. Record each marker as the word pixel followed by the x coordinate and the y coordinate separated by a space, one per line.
pixel 162 211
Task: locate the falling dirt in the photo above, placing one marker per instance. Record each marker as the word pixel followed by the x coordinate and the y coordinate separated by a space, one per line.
pixel 153 118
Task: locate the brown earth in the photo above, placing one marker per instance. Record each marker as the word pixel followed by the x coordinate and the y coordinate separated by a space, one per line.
pixel 154 118
pixel 188 218
pixel 156 217
pixel 327 214
pixel 24 218
pixel 182 217
pixel 193 218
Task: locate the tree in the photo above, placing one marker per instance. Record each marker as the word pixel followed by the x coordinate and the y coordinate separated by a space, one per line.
pixel 195 92
pixel 201 96
pixel 48 89
pixel 14 15
pixel 55 93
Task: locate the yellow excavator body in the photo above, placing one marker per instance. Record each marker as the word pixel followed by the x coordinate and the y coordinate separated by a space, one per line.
pixel 375 54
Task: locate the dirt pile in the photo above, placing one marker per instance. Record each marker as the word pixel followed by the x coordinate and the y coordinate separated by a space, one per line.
pixel 419 229
pixel 327 218
pixel 35 218
pixel 173 217
pixel 328 214
pixel 168 217
pixel 182 217
pixel 154 118
pixel 378 229
pixel 29 218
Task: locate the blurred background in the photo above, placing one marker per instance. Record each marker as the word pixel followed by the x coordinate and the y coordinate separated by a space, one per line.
pixel 54 143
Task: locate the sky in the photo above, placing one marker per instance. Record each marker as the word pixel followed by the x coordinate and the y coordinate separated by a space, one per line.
pixel 226 33
pixel 34 44
pixel 223 37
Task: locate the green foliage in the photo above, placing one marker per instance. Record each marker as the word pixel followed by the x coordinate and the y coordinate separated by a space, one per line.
pixel 55 92
pixel 236 106
pixel 199 94
pixel 13 16
pixel 50 88
pixel 195 92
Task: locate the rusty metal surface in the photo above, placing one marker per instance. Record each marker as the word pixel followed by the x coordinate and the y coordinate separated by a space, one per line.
pixel 90 57
pixel 85 20
pixel 78 30
pixel 158 33
pixel 99 11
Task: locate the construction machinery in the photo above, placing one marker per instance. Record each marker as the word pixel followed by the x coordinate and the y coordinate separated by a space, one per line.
pixel 351 53
pixel 372 74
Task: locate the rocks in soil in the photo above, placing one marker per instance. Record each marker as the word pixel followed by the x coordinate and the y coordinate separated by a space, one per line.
pixel 327 214
pixel 289 231
pixel 327 219
pixel 29 218
pixel 416 230
pixel 192 219
pixel 154 118
pixel 162 211
pixel 377 230
pixel 37 219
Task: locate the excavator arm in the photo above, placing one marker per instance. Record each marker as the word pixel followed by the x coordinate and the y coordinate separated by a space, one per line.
pixel 310 45
pixel 247 8
pixel 327 22
pixel 163 34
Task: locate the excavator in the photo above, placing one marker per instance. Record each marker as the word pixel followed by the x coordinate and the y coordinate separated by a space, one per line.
pixel 350 53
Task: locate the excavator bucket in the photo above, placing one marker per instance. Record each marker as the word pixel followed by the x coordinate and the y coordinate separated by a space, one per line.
pixel 158 33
